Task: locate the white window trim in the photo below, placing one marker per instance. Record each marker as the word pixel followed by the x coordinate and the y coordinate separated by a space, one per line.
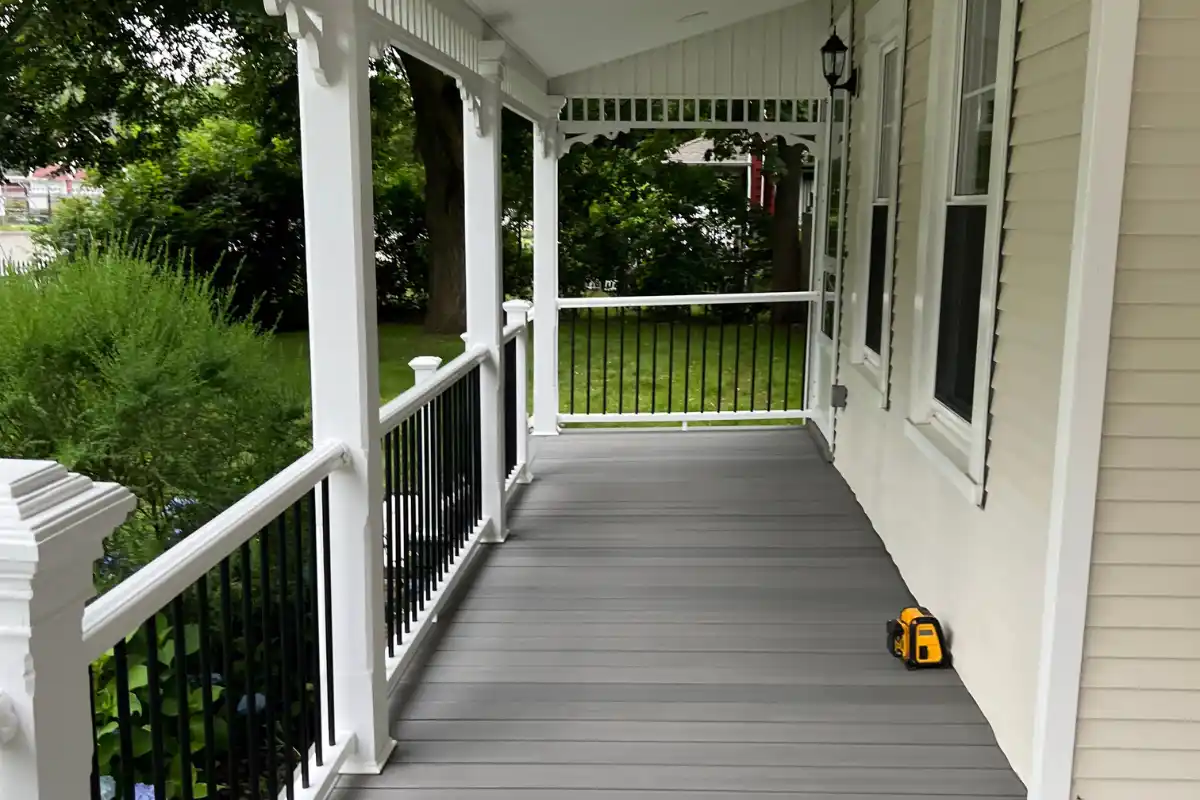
pixel 885 31
pixel 929 418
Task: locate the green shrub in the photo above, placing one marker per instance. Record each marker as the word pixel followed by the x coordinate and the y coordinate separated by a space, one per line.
pixel 126 367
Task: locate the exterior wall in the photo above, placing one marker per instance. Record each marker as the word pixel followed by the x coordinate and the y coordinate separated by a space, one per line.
pixel 770 56
pixel 981 569
pixel 1139 714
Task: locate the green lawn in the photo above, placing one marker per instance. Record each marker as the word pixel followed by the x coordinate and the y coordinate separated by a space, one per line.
pixel 398 344
pixel 631 366
pixel 620 365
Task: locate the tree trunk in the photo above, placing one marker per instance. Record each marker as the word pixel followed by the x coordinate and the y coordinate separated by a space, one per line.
pixel 786 246
pixel 438 112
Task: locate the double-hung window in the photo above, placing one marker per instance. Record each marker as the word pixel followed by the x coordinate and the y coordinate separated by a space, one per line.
pixel 879 247
pixel 970 91
pixel 966 224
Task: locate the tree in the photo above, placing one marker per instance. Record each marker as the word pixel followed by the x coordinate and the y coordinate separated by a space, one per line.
pixel 438 112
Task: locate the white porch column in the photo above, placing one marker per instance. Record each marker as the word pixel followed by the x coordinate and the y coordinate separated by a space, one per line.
pixel 485 274
pixel 546 151
pixel 335 127
pixel 52 528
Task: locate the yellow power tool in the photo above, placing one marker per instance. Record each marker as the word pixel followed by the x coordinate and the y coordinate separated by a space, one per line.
pixel 916 638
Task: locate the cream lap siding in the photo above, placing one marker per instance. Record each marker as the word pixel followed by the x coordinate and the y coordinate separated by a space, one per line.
pixel 1044 145
pixel 1139 712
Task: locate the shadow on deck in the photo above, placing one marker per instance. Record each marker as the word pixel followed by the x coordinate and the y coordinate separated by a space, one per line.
pixel 680 615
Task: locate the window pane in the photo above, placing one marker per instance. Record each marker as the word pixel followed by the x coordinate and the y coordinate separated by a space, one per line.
pixel 958 323
pixel 977 96
pixel 877 277
pixel 829 301
pixel 833 208
pixel 884 173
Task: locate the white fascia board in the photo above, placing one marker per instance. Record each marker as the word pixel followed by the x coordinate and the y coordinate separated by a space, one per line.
pixel 515 59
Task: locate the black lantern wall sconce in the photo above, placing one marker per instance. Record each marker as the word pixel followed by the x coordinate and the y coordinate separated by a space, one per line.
pixel 834 61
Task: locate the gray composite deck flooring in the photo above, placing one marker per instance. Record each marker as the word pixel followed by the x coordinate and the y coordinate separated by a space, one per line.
pixel 683 615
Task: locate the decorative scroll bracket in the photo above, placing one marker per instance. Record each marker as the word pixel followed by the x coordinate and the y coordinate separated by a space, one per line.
pixel 309 24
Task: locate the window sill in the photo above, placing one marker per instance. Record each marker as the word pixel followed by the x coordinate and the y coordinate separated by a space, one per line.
pixel 949 458
pixel 871 373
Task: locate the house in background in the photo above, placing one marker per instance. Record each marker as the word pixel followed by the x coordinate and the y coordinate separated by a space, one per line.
pixel 760 189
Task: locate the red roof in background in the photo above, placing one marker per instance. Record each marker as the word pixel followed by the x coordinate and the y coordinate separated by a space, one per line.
pixel 55 171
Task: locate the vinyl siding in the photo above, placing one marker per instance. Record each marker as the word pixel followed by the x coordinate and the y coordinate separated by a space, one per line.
pixel 973 567
pixel 1139 713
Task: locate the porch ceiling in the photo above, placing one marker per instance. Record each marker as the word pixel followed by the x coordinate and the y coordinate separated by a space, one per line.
pixel 564 36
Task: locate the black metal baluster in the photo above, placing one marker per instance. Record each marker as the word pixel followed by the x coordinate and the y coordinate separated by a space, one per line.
pixel 704 361
pixel 440 476
pixel 427 532
pixel 389 504
pixel 574 326
pixel 158 753
pixel 228 636
pixel 637 369
pixel 326 535
pixel 654 366
pixel 453 431
pixel 124 720
pixel 312 607
pixel 787 365
pixel 285 675
pixel 251 696
pixel 587 407
pixel 397 553
pixel 312 611
pixel 670 362
pixel 206 690
pixel 621 362
pixel 95 780
pixel 687 360
pixel 183 718
pixel 407 535
pixel 476 446
pixel 720 359
pixel 753 360
pixel 604 366
pixel 299 648
pixel 770 361
pixel 737 360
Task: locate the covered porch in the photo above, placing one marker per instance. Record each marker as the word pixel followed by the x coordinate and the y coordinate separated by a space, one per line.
pixel 677 614
pixel 456 595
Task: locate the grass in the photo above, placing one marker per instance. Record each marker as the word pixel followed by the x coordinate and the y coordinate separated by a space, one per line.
pixel 398 344
pixel 631 366
pixel 621 365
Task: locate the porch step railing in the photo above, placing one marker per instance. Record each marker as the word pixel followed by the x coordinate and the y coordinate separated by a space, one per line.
pixel 683 358
pixel 212 672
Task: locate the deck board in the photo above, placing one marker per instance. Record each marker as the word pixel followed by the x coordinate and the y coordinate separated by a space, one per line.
pixel 684 615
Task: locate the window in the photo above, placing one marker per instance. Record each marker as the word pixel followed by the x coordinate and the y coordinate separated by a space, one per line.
pixel 965 238
pixel 958 250
pixel 833 207
pixel 885 181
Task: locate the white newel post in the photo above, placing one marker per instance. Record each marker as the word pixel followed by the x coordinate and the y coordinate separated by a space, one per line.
pixel 335 127
pixel 517 313
pixel 546 150
pixel 485 275
pixel 52 528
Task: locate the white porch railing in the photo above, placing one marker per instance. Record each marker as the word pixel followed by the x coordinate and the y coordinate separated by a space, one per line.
pixel 214 668
pixel 680 359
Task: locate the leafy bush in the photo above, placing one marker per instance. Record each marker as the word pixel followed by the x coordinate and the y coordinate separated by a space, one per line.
pixel 126 367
